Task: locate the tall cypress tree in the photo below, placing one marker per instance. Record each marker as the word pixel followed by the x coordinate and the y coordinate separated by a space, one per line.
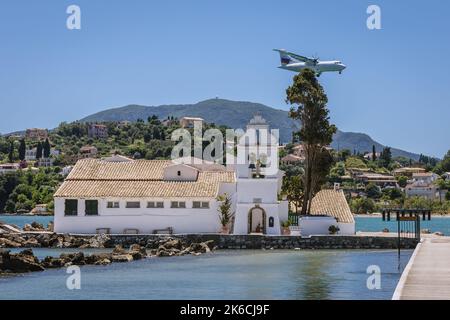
pixel 11 151
pixel 39 150
pixel 374 153
pixel 46 148
pixel 22 149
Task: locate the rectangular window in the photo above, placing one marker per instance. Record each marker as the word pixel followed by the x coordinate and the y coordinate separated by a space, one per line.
pixel 200 205
pixel 71 207
pixel 133 204
pixel 91 207
pixel 205 205
pixel 155 204
pixel 113 204
pixel 178 204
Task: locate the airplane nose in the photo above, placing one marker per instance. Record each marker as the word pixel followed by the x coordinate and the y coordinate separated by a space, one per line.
pixel 343 66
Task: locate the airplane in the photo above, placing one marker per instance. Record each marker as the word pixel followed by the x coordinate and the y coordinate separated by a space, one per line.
pixel 294 62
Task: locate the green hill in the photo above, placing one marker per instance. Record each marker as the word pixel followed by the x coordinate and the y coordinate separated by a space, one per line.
pixel 236 114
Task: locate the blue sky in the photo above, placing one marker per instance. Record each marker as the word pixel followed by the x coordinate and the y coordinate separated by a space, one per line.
pixel 396 87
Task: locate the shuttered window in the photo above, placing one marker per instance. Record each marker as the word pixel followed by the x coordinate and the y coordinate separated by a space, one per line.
pixel 91 207
pixel 71 207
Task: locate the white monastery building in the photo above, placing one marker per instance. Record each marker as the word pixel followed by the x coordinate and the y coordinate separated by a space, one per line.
pixel 125 196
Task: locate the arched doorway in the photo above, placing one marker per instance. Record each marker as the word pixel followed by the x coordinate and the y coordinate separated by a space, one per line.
pixel 257 220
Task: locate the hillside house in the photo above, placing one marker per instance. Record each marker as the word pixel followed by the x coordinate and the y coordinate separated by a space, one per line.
pixel 97 131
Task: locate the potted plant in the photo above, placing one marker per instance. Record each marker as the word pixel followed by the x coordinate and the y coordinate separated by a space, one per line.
pixel 333 229
pixel 285 228
pixel 225 214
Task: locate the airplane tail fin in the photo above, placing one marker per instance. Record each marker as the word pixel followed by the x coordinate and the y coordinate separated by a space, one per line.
pixel 285 58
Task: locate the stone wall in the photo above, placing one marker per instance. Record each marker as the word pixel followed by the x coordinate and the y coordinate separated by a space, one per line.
pixel 275 242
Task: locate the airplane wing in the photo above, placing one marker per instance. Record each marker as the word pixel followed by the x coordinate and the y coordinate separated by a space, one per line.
pixel 297 57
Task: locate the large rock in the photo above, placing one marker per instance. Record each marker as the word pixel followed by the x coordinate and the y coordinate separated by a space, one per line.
pixel 201 247
pixel 73 258
pixel 121 258
pixel 52 262
pixel 31 242
pixel 119 250
pixel 25 261
pixel 99 241
pixel 6 243
pixel 173 244
pixel 137 252
pixel 34 226
pixel 98 258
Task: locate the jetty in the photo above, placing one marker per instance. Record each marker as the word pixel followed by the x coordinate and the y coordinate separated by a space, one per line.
pixel 427 275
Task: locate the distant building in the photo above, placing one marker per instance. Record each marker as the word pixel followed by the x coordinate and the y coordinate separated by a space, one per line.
pixel 88 152
pixel 428 191
pixel 447 175
pixel 407 172
pixel 66 170
pixel 30 154
pixel 98 131
pixel 169 122
pixel 380 180
pixel 369 155
pixel 424 178
pixel 422 185
pixel 356 173
pixel 188 122
pixel 36 134
pixel 124 123
pixel 299 151
pixel 9 167
pixel 44 162
pixel 292 159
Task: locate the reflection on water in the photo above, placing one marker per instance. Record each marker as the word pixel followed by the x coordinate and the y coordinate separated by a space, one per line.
pixel 233 274
pixel 316 281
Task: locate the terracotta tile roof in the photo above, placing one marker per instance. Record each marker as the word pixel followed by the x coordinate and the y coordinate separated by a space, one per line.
pixel 292 158
pixel 94 169
pixel 139 178
pixel 136 189
pixel 423 174
pixel 333 203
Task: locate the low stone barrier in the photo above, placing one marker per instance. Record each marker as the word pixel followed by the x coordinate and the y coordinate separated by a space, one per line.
pixel 274 242
pixel 220 241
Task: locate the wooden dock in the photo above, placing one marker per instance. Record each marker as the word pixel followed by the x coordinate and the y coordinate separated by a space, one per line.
pixel 427 275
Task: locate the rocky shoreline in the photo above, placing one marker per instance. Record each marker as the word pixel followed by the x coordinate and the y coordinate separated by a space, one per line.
pixel 26 261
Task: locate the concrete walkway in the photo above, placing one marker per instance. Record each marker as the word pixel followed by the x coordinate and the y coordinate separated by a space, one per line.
pixel 427 275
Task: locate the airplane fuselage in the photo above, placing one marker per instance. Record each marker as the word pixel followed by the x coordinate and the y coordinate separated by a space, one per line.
pixel 319 67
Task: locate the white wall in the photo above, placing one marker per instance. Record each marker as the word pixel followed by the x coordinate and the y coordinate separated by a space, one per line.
pixel 249 189
pixel 187 220
pixel 283 210
pixel 346 228
pixel 316 225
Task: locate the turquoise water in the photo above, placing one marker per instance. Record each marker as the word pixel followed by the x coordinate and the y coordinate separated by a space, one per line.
pixel 20 221
pixel 376 224
pixel 238 274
